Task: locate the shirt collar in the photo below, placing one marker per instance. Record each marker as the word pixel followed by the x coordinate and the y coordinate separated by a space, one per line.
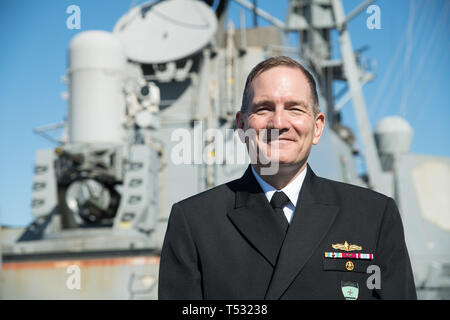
pixel 292 190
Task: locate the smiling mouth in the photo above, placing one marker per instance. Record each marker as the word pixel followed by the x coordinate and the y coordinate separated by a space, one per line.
pixel 279 140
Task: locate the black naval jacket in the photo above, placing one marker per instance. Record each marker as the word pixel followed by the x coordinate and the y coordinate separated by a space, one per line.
pixel 225 243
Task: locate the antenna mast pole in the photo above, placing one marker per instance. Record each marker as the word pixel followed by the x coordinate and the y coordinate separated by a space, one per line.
pixel 377 178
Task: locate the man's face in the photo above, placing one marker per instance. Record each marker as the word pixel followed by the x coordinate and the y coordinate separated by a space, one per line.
pixel 281 100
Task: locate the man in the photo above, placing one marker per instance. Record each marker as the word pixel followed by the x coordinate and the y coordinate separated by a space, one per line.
pixel 288 235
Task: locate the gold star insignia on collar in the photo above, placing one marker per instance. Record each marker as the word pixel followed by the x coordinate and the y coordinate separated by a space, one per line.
pixel 346 246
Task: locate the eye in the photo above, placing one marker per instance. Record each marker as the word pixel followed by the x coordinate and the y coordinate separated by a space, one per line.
pixel 297 109
pixel 262 109
pixel 300 109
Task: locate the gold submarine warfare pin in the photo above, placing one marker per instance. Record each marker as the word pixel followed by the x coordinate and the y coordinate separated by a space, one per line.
pixel 346 247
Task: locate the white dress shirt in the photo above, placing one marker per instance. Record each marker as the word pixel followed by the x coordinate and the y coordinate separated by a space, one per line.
pixel 291 190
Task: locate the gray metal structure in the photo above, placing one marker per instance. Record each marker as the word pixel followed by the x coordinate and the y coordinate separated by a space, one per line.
pixel 101 209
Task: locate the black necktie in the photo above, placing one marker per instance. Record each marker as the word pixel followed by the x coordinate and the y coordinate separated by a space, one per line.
pixel 278 202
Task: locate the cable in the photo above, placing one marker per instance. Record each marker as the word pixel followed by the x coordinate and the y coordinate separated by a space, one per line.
pixel 394 84
pixel 387 75
pixel 426 100
pixel 426 56
pixel 407 58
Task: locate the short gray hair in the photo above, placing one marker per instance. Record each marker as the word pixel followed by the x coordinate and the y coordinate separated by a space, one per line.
pixel 275 62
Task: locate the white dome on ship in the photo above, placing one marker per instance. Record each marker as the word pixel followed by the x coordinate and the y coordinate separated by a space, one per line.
pixel 393 135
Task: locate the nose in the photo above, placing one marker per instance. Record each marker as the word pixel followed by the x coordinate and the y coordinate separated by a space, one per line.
pixel 279 119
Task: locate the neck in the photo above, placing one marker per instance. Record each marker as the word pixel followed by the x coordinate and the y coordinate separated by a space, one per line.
pixel 285 175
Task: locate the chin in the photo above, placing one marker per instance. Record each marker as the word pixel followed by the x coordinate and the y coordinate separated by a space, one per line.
pixel 285 158
pixel 287 163
pixel 283 161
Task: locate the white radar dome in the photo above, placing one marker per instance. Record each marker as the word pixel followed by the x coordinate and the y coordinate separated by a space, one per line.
pixel 166 31
pixel 393 135
pixel 96 49
pixel 96 102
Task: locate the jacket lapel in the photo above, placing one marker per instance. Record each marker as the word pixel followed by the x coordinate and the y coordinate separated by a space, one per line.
pixel 311 222
pixel 254 219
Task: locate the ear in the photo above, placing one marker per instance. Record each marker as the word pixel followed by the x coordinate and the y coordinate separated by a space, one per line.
pixel 240 124
pixel 319 126
pixel 239 120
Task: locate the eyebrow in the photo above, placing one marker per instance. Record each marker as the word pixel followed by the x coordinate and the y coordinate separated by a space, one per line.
pixel 289 103
pixel 297 103
pixel 262 102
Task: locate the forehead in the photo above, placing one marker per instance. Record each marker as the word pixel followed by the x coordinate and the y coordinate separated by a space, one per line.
pixel 281 80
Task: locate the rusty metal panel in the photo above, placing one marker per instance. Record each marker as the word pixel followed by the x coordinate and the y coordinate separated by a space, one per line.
pixel 105 278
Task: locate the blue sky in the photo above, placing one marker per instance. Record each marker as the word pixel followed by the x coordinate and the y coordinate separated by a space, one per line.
pixel 411 51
